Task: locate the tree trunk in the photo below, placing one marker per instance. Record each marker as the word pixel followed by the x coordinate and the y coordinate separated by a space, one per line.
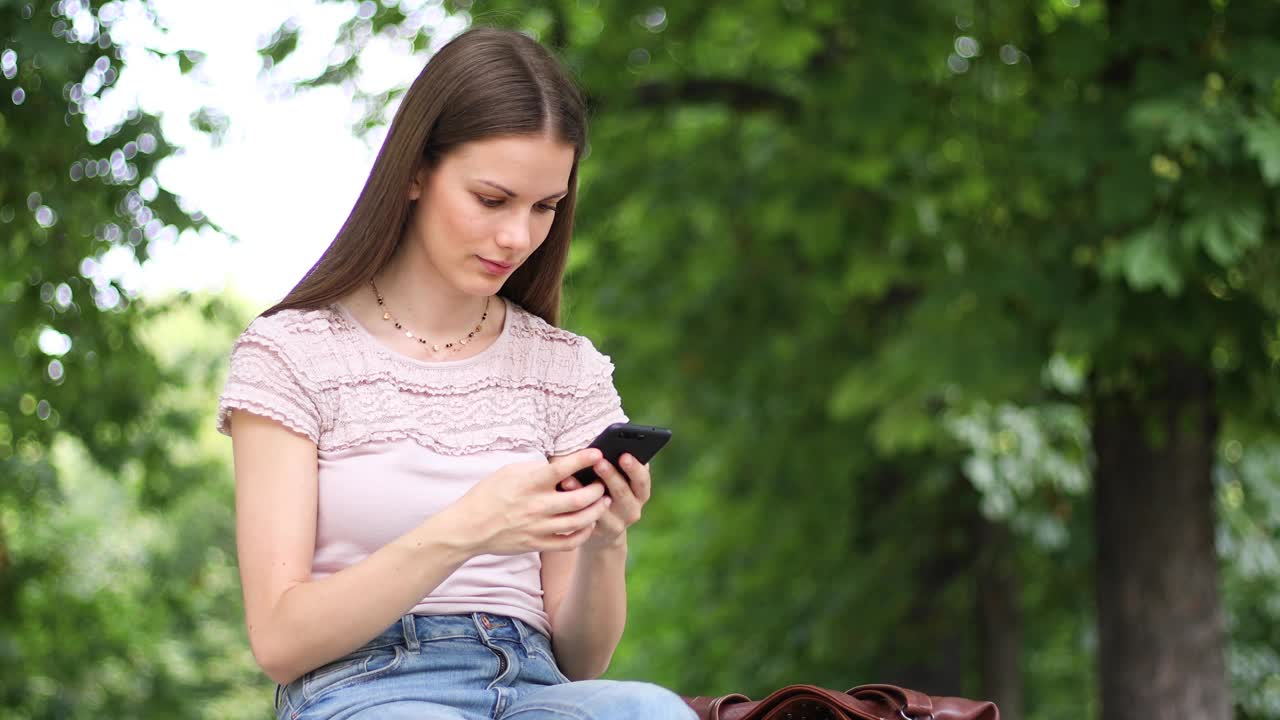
pixel 1160 621
pixel 999 620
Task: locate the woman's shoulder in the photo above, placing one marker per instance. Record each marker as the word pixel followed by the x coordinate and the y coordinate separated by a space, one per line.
pixel 293 328
pixel 293 324
pixel 303 340
pixel 276 369
pixel 561 355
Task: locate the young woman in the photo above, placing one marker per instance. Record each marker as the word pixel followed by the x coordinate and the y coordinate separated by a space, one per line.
pixel 406 421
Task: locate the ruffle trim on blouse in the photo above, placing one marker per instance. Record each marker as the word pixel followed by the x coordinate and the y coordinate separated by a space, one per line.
pixel 432 442
pixel 232 402
pixel 536 355
pixel 423 386
pixel 582 436
pixel 532 392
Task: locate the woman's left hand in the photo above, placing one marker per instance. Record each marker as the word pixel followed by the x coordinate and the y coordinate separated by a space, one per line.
pixel 627 495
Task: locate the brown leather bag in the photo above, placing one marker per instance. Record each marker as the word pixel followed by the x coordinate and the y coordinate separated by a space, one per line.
pixel 865 702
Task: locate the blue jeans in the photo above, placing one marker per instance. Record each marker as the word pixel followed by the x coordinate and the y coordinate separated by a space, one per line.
pixel 465 667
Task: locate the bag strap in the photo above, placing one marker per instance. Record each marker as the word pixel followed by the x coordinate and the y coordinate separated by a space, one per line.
pixel 709 707
pixel 910 704
pixel 851 707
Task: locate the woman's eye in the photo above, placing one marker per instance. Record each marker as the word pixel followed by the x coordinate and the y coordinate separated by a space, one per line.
pixel 491 203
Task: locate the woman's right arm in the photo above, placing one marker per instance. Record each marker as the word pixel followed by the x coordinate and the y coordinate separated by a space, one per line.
pixel 296 624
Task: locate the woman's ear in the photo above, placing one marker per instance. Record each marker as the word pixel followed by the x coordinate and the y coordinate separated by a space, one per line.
pixel 418 184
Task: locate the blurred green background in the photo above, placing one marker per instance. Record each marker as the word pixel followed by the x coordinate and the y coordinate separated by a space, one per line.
pixel 966 316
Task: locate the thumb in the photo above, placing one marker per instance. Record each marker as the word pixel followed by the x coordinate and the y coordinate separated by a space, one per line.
pixel 565 465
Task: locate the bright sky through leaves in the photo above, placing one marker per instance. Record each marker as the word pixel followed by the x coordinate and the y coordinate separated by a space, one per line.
pixel 285 173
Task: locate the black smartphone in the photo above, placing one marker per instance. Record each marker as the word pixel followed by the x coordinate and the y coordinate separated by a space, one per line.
pixel 642 441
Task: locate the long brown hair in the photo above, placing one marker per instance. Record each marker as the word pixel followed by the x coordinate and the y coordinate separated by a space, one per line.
pixel 486 82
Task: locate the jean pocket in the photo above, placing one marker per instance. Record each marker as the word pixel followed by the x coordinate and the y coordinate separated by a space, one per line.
pixel 360 666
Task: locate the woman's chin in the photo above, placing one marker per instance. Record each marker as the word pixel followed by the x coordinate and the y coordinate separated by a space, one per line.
pixel 480 285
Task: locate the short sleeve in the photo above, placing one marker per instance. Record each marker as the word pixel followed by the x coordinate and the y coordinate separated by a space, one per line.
pixel 262 379
pixel 592 407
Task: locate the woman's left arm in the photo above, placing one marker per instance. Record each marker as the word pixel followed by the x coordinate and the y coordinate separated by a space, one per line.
pixel 585 590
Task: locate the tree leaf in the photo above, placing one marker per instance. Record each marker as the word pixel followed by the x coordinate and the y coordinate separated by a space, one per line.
pixel 1145 260
pixel 1227 226
pixel 282 42
pixel 1176 122
pixel 188 59
pixel 1262 141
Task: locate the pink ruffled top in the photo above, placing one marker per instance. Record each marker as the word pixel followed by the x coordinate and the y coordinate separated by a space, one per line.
pixel 398 439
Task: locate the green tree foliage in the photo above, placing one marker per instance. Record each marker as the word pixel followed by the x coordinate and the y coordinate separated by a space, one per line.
pixel 117 584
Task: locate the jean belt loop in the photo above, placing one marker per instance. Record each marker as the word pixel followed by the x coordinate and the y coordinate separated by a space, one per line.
pixel 483 626
pixel 522 633
pixel 410 630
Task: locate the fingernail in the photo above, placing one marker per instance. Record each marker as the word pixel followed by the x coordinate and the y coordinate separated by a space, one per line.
pixel 602 466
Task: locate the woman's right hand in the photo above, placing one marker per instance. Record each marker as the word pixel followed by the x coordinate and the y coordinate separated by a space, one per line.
pixel 518 509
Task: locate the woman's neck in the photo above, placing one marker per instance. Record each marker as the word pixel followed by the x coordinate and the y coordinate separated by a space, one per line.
pixel 415 293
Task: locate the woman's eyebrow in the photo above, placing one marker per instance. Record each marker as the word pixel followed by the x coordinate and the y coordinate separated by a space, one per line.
pixel 562 193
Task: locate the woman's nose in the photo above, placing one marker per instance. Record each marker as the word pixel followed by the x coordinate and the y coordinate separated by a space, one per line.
pixel 517 234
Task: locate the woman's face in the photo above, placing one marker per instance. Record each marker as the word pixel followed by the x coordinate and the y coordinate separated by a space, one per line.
pixel 486 207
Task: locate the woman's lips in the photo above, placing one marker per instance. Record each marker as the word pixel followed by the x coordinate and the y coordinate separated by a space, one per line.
pixel 495 268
